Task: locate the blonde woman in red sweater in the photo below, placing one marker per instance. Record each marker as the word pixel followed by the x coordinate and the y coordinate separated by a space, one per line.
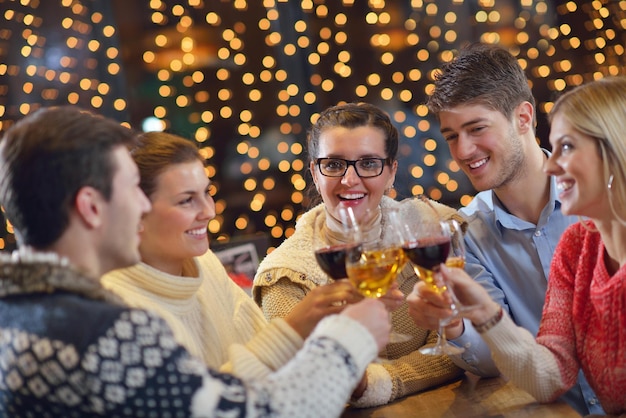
pixel 583 324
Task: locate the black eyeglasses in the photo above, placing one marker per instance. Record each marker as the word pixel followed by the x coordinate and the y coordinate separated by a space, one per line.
pixel 364 167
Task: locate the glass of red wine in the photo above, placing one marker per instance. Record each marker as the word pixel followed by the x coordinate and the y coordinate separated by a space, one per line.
pixel 332 257
pixel 428 245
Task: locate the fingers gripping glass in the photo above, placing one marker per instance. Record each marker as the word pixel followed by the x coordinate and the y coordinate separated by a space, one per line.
pixel 364 167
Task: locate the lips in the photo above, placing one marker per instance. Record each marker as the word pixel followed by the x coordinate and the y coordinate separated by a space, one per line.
pixel 351 196
pixel 196 232
pixel 564 185
pixel 479 163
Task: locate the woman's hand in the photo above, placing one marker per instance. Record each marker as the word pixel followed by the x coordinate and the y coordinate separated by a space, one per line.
pixel 319 302
pixel 393 298
pixel 470 293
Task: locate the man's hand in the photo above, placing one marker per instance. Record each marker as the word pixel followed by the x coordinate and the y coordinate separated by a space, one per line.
pixel 427 306
pixel 371 313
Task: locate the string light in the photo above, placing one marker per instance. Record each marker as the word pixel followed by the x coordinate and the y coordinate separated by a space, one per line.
pixel 246 86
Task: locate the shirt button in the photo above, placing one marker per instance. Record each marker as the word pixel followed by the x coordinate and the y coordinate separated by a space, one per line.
pixel 593 401
pixel 468 345
pixel 537 233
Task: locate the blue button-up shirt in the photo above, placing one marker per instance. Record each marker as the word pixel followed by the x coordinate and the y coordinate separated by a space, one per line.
pixel 511 259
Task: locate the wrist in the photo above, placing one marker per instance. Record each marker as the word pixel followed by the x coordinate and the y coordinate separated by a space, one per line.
pixel 490 322
pixel 455 329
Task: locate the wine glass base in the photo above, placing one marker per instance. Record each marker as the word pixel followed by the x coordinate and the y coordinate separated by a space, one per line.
pixel 438 350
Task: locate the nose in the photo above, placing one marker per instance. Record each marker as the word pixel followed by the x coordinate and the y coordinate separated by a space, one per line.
pixel 463 148
pixel 207 211
pixel 350 178
pixel 551 167
pixel 144 202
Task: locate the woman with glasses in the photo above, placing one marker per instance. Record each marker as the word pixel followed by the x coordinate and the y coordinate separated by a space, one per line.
pixel 353 150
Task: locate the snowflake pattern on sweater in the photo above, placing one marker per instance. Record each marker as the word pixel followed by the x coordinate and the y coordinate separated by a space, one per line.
pixel 69 348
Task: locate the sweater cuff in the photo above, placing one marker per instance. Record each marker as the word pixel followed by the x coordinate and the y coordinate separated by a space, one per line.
pixel 504 333
pixel 351 335
pixel 379 387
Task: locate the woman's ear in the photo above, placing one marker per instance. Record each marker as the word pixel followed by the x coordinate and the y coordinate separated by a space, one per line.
pixel 392 176
pixel 314 174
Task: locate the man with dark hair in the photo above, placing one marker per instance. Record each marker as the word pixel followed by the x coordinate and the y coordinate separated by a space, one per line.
pixel 70 348
pixel 486 113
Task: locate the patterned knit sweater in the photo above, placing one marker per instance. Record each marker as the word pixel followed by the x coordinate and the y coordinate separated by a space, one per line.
pixel 207 312
pixel 287 274
pixel 583 326
pixel 70 348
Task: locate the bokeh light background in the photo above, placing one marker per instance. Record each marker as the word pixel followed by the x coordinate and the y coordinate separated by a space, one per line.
pixel 245 79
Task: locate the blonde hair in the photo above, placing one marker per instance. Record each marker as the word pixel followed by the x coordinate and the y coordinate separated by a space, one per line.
pixel 598 109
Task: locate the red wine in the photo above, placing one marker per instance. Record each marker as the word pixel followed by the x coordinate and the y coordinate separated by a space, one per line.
pixel 333 260
pixel 428 253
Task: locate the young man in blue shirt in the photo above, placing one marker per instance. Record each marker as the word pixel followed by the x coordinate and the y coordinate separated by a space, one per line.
pixel 486 112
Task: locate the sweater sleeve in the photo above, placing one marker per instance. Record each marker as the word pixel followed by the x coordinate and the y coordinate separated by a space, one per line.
pixel 548 366
pixel 316 383
pixel 411 373
pixel 278 300
pixel 267 351
pixel 529 365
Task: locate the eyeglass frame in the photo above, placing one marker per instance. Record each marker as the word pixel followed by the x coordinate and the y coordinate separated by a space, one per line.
pixel 385 161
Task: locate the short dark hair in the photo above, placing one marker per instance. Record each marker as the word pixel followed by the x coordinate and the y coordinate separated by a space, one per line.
pixel 154 152
pixel 45 159
pixel 481 74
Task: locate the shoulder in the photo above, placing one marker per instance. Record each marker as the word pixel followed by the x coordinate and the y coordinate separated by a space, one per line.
pixel 482 203
pixel 579 236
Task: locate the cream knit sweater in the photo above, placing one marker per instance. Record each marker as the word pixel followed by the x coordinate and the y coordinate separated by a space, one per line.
pixel 208 314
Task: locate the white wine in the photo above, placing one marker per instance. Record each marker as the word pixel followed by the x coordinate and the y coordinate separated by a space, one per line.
pixel 375 271
pixel 455 261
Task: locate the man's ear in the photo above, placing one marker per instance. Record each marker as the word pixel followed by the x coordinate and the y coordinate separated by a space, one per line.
pixel 89 206
pixel 525 117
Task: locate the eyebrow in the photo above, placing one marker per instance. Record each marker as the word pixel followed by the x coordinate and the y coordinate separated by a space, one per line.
pixel 359 158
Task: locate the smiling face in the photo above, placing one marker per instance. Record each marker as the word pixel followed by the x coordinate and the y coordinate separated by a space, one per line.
pixel 351 190
pixel 484 143
pixel 176 228
pixel 577 166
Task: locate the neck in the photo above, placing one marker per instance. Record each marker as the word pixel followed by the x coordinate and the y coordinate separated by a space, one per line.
pixel 83 257
pixel 527 194
pixel 172 267
pixel 613 235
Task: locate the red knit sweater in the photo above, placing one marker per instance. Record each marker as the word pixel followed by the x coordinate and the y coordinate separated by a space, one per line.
pixel 584 316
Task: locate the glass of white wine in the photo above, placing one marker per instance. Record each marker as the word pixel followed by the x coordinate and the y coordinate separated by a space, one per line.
pixel 373 266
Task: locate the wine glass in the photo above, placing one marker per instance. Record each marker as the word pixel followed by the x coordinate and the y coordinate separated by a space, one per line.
pixel 428 245
pixel 332 257
pixel 372 267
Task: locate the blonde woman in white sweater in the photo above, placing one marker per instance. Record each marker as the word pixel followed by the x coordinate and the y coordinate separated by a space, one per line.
pixel 183 281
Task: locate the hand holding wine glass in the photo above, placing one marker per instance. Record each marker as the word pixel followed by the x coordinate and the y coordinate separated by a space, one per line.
pixel 372 267
pixel 428 245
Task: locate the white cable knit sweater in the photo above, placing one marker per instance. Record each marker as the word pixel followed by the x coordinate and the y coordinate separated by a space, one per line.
pixel 208 313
